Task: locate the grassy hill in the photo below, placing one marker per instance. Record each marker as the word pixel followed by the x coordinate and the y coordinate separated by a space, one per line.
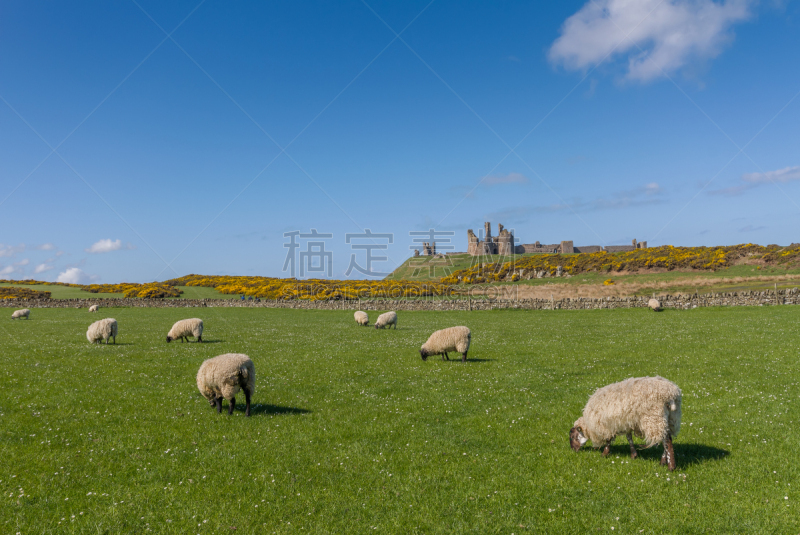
pixel 743 276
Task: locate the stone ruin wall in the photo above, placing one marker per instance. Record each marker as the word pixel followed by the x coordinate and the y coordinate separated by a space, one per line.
pixel 503 244
pixel 684 302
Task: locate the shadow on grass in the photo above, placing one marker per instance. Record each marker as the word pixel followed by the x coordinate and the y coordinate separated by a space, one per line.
pixel 685 454
pixel 212 341
pixel 272 409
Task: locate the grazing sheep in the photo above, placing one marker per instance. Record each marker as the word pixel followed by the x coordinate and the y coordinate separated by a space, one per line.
pixel 26 312
pixel 387 318
pixel 648 407
pixel 183 329
pixel 361 318
pixel 654 305
pixel 451 339
pixel 102 330
pixel 94 308
pixel 223 376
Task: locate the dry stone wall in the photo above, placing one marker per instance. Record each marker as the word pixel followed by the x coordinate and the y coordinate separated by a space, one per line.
pixel 764 298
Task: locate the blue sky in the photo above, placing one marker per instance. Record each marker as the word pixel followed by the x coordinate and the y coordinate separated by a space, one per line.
pixel 141 141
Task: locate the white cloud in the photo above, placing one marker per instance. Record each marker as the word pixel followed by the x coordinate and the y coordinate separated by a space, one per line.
pixel 15 267
pixel 648 195
pixel 652 188
pixel 41 268
pixel 106 246
pixel 787 174
pixel 510 178
pixel 752 180
pixel 73 276
pixel 662 35
pixel 11 250
pixel 46 247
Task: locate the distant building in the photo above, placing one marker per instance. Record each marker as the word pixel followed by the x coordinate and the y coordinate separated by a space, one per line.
pixel 503 244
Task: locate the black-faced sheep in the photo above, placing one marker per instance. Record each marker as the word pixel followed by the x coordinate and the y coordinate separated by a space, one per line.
pixel 446 340
pixel 183 329
pixel 94 308
pixel 361 318
pixel 654 305
pixel 22 313
pixel 648 407
pixel 386 319
pixel 102 330
pixel 223 376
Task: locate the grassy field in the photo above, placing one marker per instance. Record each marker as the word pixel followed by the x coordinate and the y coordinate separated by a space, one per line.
pixel 353 433
pixel 67 292
pixel 732 279
pixel 61 292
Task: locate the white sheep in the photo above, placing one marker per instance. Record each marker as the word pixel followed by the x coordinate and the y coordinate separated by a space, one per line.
pixel 183 329
pixel 648 407
pixel 223 376
pixel 94 308
pixel 445 340
pixel 361 318
pixel 102 330
pixel 654 305
pixel 24 312
pixel 387 318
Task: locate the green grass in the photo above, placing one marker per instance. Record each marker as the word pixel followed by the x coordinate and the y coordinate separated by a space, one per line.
pixel 352 432
pixel 66 292
pixel 62 292
pixel 428 268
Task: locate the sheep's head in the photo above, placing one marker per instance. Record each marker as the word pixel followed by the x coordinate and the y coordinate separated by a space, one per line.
pixel 169 339
pixel 423 353
pixel 576 438
pixel 377 326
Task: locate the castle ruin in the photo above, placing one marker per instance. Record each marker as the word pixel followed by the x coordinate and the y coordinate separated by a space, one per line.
pixel 503 244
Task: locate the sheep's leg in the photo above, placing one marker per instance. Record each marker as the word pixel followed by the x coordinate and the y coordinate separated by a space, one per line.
pixel 669 453
pixel 231 405
pixel 633 449
pixel 115 340
pixel 464 357
pixel 247 401
pixel 218 400
pixel 607 450
pixel 200 338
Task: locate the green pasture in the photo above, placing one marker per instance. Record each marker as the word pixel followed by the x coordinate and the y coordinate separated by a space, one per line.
pixel 430 268
pixel 352 432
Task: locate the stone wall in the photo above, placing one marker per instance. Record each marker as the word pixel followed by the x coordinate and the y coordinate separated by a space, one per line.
pixel 588 249
pixel 765 298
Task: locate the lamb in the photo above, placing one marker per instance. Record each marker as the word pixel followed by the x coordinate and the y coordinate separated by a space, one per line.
pixel 387 318
pixel 223 376
pixel 361 318
pixel 183 329
pixel 445 340
pixel 94 308
pixel 654 305
pixel 648 407
pixel 24 312
pixel 102 330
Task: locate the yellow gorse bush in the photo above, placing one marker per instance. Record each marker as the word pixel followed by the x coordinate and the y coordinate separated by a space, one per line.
pixel 313 289
pixel 128 289
pixel 665 257
pixel 12 292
